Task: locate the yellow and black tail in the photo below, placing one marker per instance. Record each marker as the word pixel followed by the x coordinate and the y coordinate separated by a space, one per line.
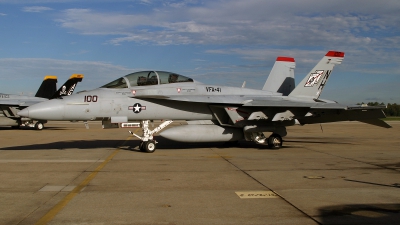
pixel 68 87
pixel 48 87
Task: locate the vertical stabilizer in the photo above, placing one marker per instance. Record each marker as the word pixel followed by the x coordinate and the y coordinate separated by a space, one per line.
pixel 311 86
pixel 48 87
pixel 281 77
pixel 68 87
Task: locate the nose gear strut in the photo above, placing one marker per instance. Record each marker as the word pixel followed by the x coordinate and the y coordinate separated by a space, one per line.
pixel 148 143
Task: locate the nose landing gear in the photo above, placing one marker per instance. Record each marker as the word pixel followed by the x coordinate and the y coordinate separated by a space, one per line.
pixel 148 143
pixel 148 146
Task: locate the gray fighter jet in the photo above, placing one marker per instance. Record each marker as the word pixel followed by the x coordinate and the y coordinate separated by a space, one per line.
pixel 214 113
pixel 10 105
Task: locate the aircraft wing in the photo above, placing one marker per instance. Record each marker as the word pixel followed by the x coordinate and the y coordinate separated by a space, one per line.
pixel 247 101
pixel 284 103
pixel 258 101
pixel 306 112
pixel 328 112
pixel 220 99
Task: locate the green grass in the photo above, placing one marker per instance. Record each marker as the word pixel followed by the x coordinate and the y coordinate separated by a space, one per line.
pixel 391 119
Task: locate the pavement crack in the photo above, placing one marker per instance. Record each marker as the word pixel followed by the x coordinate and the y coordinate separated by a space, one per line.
pixel 354 160
pixel 253 178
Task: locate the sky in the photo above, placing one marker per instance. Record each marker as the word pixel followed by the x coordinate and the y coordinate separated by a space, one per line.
pixel 218 42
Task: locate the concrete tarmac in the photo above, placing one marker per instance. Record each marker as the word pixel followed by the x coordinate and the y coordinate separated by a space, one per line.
pixel 342 173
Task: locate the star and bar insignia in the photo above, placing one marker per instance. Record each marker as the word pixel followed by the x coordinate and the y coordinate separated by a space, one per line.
pixel 137 108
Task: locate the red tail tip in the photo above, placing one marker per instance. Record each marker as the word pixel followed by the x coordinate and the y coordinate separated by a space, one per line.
pixel 285 59
pixel 335 54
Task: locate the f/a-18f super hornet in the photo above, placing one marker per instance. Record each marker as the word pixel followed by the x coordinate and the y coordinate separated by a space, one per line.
pixel 10 105
pixel 214 113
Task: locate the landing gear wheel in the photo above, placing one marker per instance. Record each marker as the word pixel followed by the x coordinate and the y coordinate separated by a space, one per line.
pixel 275 141
pixel 39 126
pixel 149 146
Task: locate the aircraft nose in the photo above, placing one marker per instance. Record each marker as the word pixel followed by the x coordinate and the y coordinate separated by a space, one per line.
pixel 48 110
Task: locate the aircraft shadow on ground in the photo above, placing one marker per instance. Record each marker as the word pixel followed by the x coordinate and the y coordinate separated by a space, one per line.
pixel 163 144
pixel 166 144
pixel 323 141
pixel 133 145
pixel 34 129
pixel 62 145
pixel 360 214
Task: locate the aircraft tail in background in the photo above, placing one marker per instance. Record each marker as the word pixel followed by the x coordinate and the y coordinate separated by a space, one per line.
pixel 68 87
pixel 281 77
pixel 311 86
pixel 48 87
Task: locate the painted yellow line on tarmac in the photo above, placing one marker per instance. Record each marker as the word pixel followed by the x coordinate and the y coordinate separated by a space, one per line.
pixel 57 208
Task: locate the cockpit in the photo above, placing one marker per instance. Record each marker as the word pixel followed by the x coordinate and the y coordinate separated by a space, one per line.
pixel 147 78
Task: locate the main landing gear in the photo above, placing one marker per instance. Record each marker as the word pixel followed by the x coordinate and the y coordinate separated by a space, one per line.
pixel 38 125
pixel 274 141
pixel 148 143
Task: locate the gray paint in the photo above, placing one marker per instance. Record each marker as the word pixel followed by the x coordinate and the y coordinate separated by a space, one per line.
pixel 228 107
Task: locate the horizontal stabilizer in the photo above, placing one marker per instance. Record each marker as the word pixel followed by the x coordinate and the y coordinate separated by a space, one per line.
pixel 370 116
pixel 376 122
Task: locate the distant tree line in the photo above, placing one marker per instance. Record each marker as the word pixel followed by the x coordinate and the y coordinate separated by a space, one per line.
pixel 391 110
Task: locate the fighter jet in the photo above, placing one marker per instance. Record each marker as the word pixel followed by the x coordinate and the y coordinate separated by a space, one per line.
pixel 213 113
pixel 10 105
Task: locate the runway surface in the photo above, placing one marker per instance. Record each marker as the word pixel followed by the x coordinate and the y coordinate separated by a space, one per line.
pixel 342 173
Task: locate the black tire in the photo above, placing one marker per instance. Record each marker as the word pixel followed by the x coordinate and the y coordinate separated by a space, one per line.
pixel 142 146
pixel 150 146
pixel 39 126
pixel 275 141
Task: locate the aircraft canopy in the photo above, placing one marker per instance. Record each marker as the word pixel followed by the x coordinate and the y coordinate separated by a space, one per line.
pixel 147 78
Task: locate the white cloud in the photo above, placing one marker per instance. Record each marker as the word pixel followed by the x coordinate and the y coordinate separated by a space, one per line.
pixel 255 31
pixel 36 9
pixel 146 2
pixel 3 14
pixel 43 1
pixel 89 22
pixel 289 23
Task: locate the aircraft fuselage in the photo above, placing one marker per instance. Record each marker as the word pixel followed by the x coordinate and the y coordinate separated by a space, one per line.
pixel 105 103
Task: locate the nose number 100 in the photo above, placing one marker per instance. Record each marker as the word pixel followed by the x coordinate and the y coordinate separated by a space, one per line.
pixel 90 98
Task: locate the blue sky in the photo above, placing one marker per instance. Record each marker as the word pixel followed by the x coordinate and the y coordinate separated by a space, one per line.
pixel 221 42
